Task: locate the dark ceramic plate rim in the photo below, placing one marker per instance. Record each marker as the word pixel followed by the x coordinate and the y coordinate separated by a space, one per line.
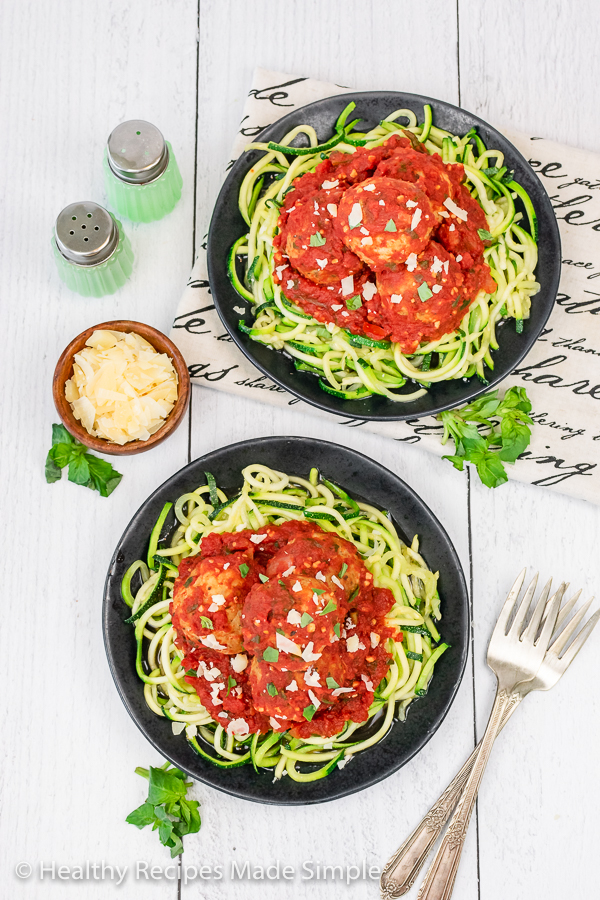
pixel 365 770
pixel 449 394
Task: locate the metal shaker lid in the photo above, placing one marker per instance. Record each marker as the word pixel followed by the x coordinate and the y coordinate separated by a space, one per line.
pixel 137 152
pixel 86 234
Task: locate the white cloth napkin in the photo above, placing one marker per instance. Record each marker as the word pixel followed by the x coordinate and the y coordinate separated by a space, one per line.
pixel 562 371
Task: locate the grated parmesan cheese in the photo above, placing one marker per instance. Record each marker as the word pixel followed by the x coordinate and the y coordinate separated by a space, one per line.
pixel 121 389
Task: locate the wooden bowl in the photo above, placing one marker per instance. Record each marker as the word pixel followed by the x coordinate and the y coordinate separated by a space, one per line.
pixel 64 370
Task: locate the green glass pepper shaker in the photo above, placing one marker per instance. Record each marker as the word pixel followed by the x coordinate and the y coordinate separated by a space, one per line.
pixel 142 177
pixel 92 252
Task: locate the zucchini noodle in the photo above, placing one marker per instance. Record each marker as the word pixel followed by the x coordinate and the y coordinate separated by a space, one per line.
pixel 268 496
pixel 351 366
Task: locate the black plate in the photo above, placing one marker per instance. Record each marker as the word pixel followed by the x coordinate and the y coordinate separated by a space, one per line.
pixel 227 225
pixel 363 478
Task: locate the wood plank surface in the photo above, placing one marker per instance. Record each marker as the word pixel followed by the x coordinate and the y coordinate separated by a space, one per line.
pixel 70 71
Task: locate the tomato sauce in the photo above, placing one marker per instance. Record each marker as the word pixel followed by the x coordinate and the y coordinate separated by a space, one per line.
pixel 301 630
pixel 363 229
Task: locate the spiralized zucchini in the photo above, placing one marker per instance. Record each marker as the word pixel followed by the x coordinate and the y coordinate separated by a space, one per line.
pixel 350 366
pixel 269 496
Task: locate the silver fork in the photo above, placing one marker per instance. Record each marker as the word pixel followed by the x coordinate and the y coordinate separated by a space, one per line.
pixel 515 654
pixel 403 867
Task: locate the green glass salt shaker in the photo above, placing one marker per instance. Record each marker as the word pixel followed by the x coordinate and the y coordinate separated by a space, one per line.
pixel 92 252
pixel 142 177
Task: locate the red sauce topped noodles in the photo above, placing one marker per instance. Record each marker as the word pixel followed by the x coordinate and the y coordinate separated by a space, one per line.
pixel 383 242
pixel 284 629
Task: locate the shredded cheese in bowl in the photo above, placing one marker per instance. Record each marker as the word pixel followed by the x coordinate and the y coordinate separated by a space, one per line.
pixel 121 389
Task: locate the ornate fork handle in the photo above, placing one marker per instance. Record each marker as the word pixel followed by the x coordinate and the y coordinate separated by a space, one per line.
pixel 401 871
pixel 440 878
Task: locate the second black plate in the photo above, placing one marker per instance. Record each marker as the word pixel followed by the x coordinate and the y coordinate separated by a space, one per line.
pixel 362 478
pixel 227 225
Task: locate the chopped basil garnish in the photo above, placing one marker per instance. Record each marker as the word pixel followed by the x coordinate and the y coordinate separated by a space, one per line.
pixel 272 690
pixel 244 569
pixel 319 591
pixel 192 673
pixel 308 712
pixel 331 683
pixel 391 226
pixel 354 302
pixel 231 683
pixel 317 240
pixel 271 654
pixel 337 629
pixel 305 620
pixel 343 570
pixel 206 622
pixel 327 609
pixel 484 235
pixel 189 581
pixel 424 292
pixel 262 577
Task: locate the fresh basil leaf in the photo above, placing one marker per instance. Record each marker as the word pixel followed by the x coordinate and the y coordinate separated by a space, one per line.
pixel 164 787
pixel 390 226
pixel 515 439
pixel 271 654
pixel 104 477
pixel 61 454
pixel 263 578
pixel 489 468
pixel 272 690
pixel 331 683
pixel 79 470
pixel 60 435
pixel 206 622
pixel 244 569
pixel 457 461
pixel 484 234
pixel 52 471
pixel 317 240
pixel 142 816
pixel 305 620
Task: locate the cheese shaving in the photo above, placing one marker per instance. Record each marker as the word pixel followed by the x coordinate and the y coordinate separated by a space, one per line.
pixel 121 389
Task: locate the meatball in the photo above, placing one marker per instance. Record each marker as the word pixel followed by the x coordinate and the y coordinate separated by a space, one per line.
pixel 223 685
pixel 289 620
pixel 434 177
pixel 313 248
pixel 352 168
pixel 332 561
pixel 207 599
pixel 384 220
pixel 284 695
pixel 422 299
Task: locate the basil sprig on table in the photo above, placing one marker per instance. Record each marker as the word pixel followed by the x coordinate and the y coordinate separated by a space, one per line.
pixel 167 808
pixel 489 432
pixel 84 467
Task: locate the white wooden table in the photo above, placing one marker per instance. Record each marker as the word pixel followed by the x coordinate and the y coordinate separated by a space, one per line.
pixel 69 72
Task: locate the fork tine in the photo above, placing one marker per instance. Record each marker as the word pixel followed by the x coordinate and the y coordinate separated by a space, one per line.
pixel 543 606
pixel 561 640
pixel 550 623
pixel 566 609
pixel 521 614
pixel 513 596
pixel 579 641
